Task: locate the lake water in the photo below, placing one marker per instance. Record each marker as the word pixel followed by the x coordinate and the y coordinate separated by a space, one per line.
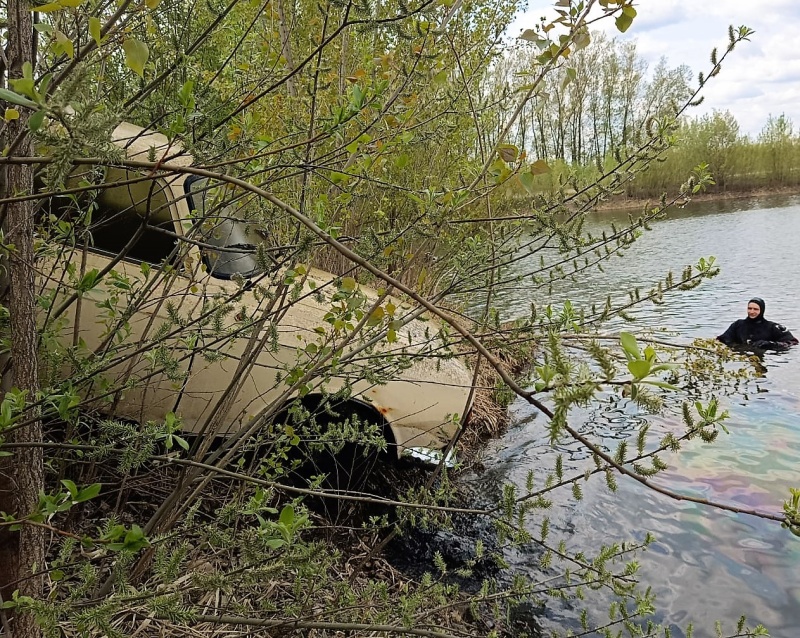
pixel 707 564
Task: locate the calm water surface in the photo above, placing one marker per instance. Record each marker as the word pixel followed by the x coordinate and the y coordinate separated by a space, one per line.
pixel 706 565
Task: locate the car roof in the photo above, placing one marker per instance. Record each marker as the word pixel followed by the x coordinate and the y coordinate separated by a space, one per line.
pixel 138 144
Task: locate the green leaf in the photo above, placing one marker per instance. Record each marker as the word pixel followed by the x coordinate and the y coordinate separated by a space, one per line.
pixel 498 167
pixel 348 284
pixel 16 98
pixel 44 83
pixel 508 152
pixel 134 539
pixel 35 121
pixel 582 40
pixel 540 167
pixel 358 97
pixel 65 44
pixel 89 280
pixel 6 413
pixel 94 30
pixel 700 410
pixel 136 54
pixel 48 8
pixel 624 22
pixel 526 179
pixel 441 77
pixel 339 178
pixel 639 368
pixel 25 86
pixel 661 384
pixel 629 345
pixel 287 516
pixel 529 35
pixel 73 489
pixel 664 366
pixel 88 493
pixel 402 160
pixel 376 316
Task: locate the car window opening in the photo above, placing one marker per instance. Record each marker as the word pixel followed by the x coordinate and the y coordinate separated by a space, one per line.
pixel 121 213
pixel 236 256
pixel 113 233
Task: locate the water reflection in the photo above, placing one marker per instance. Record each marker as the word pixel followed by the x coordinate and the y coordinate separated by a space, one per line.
pixel 706 565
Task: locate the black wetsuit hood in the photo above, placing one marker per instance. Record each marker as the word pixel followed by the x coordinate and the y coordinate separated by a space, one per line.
pixel 761 304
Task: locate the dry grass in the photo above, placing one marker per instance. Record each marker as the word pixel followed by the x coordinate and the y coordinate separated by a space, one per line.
pixel 489 415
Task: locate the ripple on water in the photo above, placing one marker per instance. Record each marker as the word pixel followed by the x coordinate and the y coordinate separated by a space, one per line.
pixel 755 543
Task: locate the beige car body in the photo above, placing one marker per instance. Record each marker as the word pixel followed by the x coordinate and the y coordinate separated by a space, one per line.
pixel 421 405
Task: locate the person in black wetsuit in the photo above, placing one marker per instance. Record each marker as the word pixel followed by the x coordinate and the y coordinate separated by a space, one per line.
pixel 757 332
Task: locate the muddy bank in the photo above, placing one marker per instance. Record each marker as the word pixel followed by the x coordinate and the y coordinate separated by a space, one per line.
pixel 467 546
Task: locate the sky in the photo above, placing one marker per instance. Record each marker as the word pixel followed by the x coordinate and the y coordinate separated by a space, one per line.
pixel 760 78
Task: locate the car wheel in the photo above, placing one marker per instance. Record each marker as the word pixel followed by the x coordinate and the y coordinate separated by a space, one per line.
pixel 342 441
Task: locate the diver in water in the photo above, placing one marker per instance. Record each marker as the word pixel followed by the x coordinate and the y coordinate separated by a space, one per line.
pixel 757 332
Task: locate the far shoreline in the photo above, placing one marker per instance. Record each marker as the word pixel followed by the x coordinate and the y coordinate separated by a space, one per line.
pixel 628 203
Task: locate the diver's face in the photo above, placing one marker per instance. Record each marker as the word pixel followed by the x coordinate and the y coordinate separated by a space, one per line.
pixel 753 310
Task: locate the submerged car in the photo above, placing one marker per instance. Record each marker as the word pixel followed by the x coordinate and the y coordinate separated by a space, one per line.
pixel 186 310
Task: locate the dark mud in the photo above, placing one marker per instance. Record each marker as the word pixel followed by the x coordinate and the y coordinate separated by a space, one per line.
pixel 468 546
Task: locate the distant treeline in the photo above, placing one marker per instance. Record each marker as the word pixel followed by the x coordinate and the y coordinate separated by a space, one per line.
pixel 737 162
pixel 602 108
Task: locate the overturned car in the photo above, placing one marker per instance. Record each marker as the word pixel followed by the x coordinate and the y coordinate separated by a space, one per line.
pixel 169 302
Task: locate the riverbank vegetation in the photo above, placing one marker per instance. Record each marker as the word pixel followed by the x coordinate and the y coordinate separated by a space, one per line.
pixel 585 122
pixel 378 141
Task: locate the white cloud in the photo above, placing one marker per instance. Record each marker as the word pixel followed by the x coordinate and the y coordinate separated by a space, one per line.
pixel 759 78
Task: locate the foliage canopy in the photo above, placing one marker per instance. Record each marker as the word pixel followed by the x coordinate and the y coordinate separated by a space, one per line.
pixel 369 139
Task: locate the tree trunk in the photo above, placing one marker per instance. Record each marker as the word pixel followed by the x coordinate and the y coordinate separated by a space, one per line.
pixel 21 475
pixel 286 46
